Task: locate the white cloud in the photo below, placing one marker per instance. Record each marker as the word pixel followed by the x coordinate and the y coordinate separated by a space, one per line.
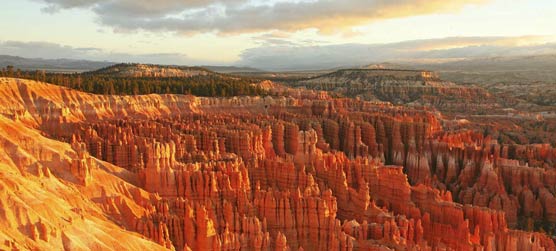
pixel 342 55
pixel 56 51
pixel 244 16
pixel 277 53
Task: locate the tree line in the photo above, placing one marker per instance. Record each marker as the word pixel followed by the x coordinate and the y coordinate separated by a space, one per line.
pixel 211 85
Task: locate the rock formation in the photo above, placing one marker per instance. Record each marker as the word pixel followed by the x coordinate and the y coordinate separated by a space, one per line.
pixel 306 172
pixel 411 87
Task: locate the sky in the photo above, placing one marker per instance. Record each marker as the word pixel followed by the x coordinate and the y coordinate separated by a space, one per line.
pixel 276 34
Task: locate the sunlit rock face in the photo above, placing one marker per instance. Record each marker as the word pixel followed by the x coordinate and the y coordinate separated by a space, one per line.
pixel 306 172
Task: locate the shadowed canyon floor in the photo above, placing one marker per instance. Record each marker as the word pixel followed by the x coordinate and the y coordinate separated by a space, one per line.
pixel 304 172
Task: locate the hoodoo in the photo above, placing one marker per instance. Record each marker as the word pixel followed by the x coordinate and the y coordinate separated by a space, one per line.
pixel 158 172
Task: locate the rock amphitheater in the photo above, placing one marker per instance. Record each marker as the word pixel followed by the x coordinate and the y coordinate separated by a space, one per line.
pixel 307 172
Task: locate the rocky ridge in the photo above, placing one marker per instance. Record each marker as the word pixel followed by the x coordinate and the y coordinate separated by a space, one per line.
pixel 398 86
pixel 151 71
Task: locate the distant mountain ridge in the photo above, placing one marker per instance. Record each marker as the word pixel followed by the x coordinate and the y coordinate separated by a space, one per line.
pixel 231 69
pixel 508 69
pixel 79 65
pixel 498 64
pixel 53 65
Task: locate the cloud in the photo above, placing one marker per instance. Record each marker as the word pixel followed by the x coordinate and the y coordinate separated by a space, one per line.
pixel 431 50
pixel 43 50
pixel 56 51
pixel 249 16
pixel 276 53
